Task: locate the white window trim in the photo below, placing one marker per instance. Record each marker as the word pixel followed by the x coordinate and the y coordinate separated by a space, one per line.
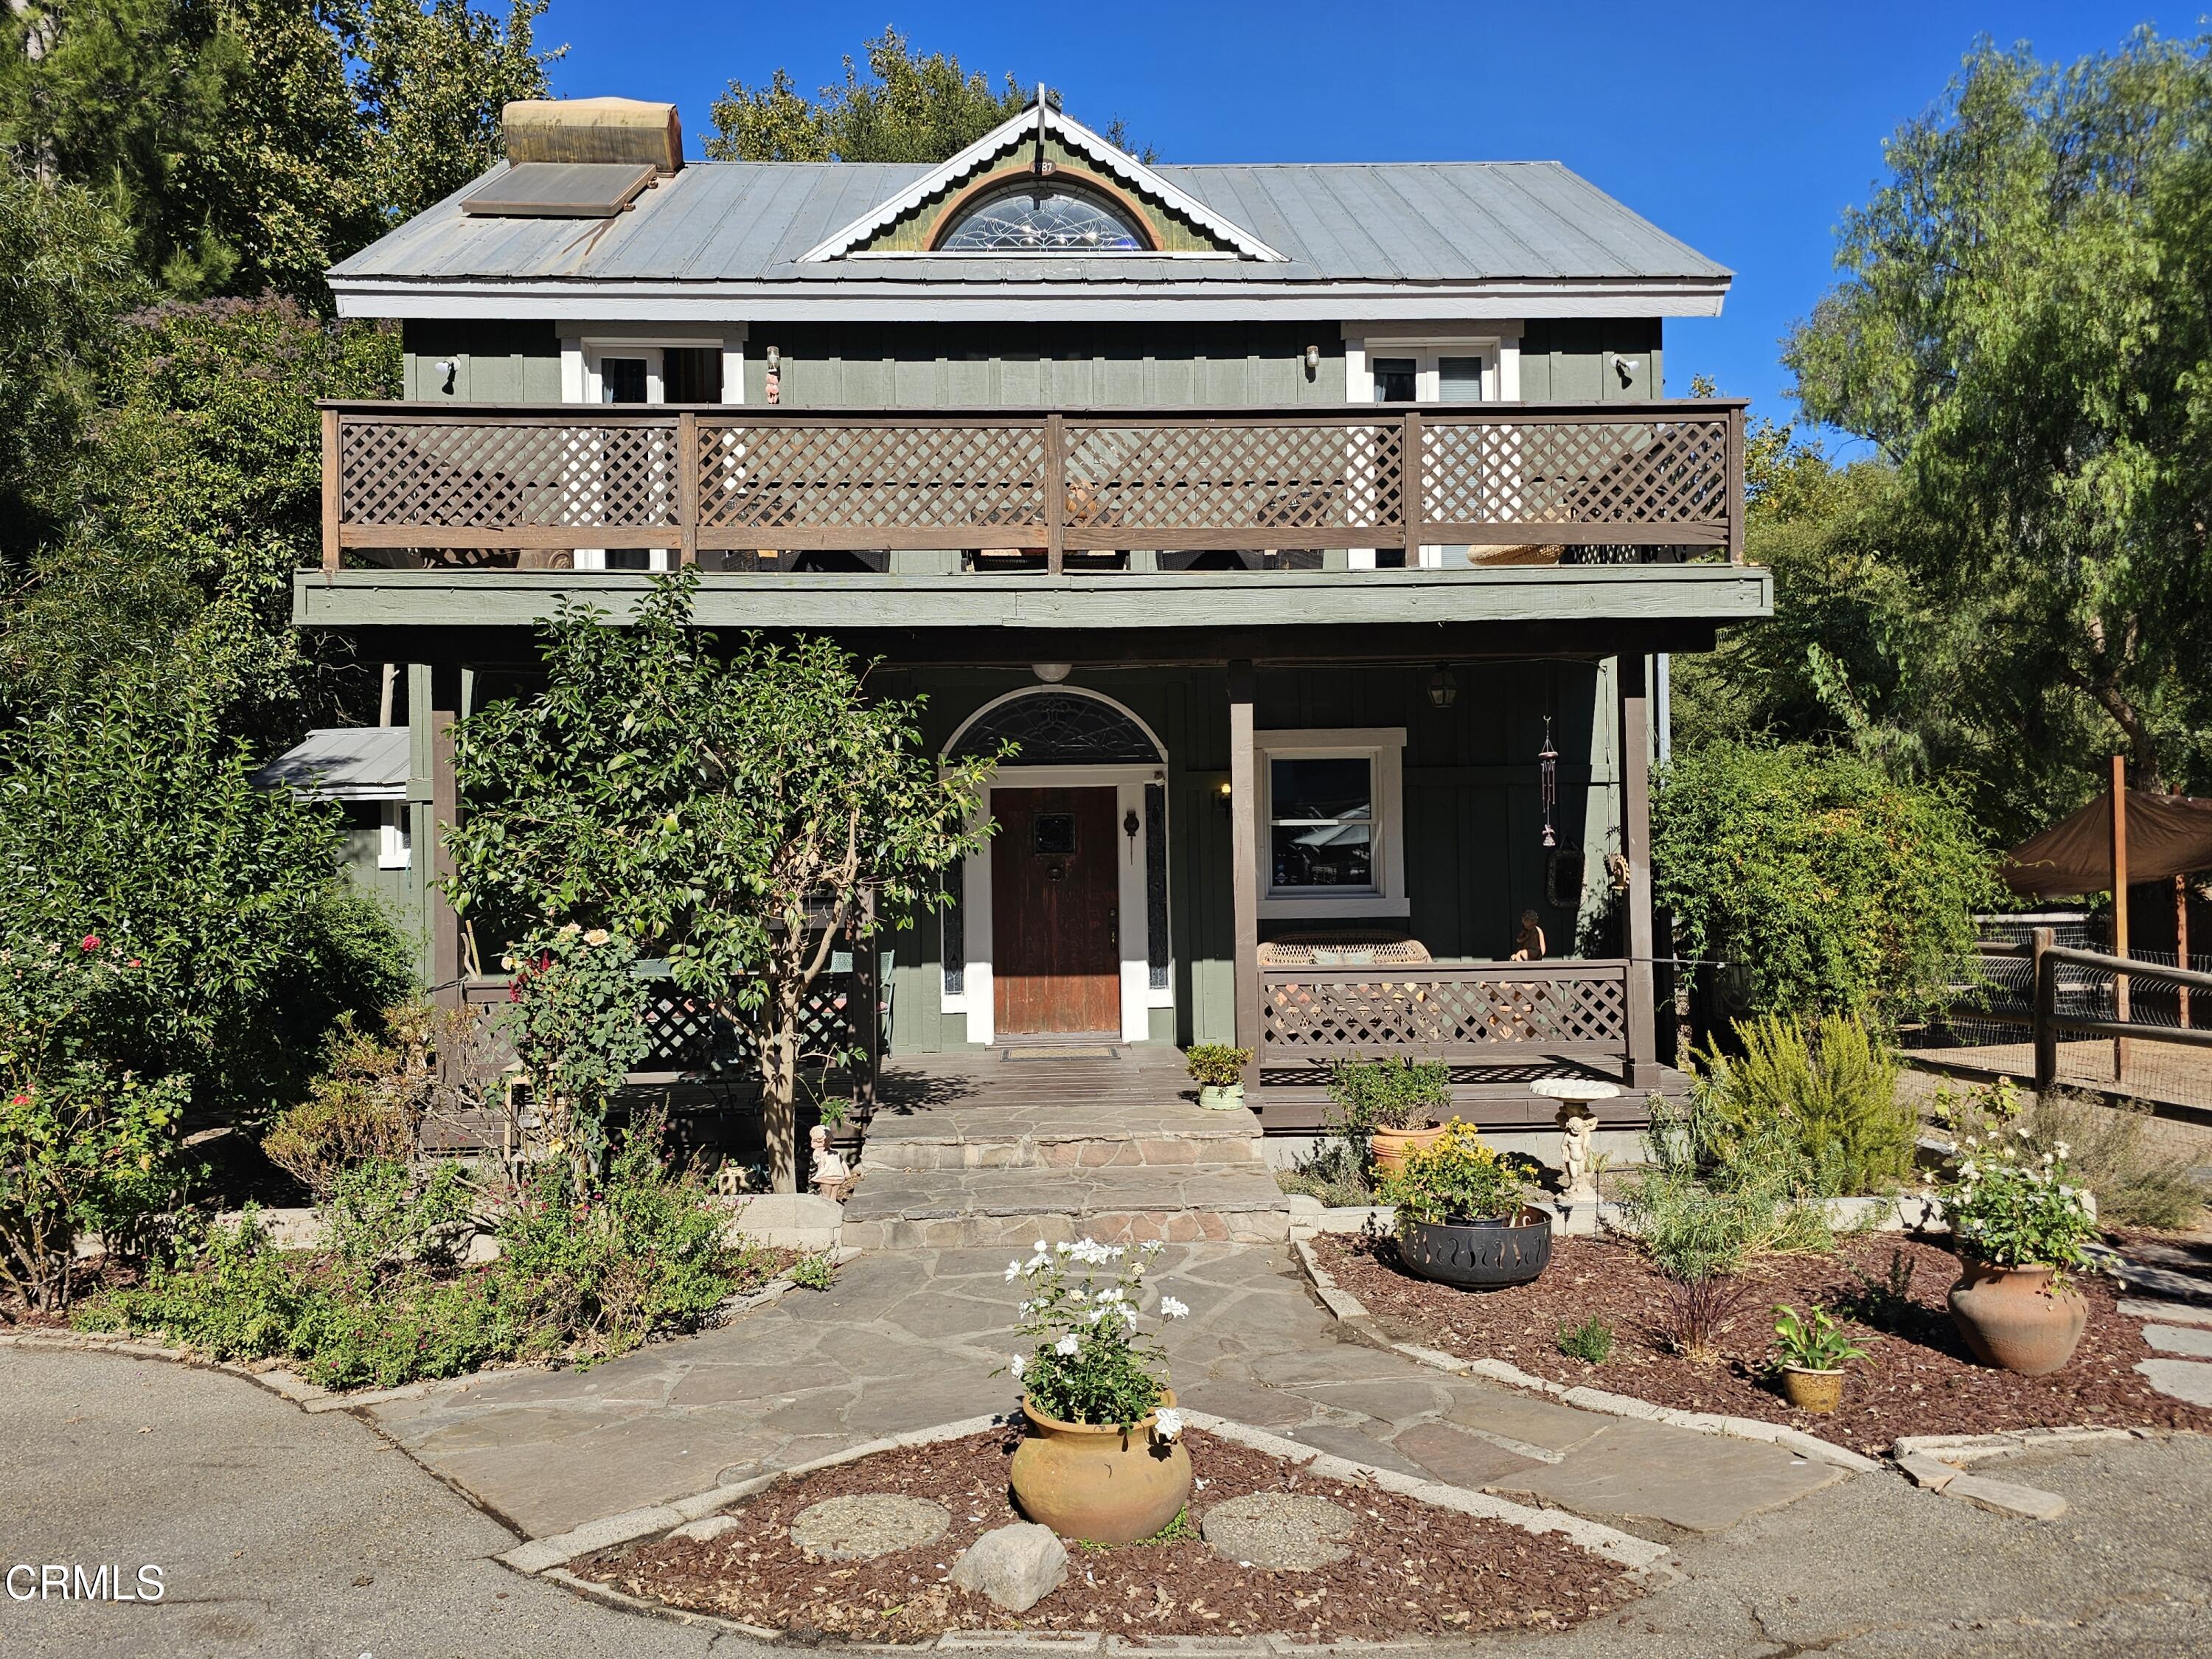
pixel 581 383
pixel 1498 347
pixel 979 1000
pixel 1384 747
pixel 394 848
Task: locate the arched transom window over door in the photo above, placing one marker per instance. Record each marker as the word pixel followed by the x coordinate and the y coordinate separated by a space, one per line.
pixel 1058 728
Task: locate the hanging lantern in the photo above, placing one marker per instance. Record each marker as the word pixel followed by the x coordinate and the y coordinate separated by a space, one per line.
pixel 1547 780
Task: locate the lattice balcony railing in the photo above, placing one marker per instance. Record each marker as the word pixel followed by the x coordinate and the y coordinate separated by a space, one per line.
pixel 542 481
pixel 1314 1015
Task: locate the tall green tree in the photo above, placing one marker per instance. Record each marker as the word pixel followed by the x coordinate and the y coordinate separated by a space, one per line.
pixel 250 143
pixel 906 108
pixel 2023 333
pixel 731 814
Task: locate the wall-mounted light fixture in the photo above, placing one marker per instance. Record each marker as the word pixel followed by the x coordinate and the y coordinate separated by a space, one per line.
pixel 1626 367
pixel 1444 689
pixel 447 368
pixel 1312 362
pixel 1131 823
pixel 1221 794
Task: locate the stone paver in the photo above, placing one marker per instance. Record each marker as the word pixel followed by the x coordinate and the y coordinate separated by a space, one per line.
pixel 907 1340
pixel 862 1526
pixel 1633 1472
pixel 2006 1497
pixel 2172 1313
pixel 1283 1533
pixel 2180 1379
pixel 2190 1340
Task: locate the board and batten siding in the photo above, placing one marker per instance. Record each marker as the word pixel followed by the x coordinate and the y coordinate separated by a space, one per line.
pixel 1474 857
pixel 1012 365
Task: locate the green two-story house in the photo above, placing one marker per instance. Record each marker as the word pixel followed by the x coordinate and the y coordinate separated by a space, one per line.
pixel 1319 532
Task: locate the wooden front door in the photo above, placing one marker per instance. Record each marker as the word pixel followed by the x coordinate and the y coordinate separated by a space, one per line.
pixel 1055 950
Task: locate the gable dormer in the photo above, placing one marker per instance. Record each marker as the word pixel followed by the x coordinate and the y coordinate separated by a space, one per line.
pixel 1042 185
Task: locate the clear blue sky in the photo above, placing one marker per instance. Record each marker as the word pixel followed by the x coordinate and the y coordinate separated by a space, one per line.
pixel 1744 129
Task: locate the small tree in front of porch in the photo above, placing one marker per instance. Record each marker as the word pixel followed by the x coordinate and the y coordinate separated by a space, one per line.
pixel 734 815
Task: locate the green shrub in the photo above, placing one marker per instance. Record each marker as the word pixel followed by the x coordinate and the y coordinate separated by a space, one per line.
pixel 1335 1172
pixel 1813 1342
pixel 356 1111
pixel 1397 1093
pixel 1591 1340
pixel 1829 1085
pixel 1710 1202
pixel 580 1277
pixel 1828 884
pixel 2137 1184
pixel 1217 1065
pixel 818 1272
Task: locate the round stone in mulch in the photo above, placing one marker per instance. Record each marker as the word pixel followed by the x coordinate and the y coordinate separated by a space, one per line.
pixel 1285 1533
pixel 865 1525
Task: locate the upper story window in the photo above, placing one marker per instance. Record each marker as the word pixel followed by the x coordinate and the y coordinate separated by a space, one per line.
pixel 1044 218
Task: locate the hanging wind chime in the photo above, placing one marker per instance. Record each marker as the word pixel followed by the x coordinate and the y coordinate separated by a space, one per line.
pixel 1547 780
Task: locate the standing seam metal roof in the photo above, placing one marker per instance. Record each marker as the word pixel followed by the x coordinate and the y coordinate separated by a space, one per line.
pixel 725 222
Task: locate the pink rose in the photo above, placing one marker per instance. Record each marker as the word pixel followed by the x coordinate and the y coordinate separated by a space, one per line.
pixel 91 942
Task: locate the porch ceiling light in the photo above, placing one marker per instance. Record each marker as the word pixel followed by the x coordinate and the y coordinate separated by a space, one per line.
pixel 1052 673
pixel 1444 689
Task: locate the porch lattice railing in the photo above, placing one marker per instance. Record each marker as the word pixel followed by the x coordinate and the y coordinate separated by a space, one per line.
pixel 1492 1010
pixel 468 484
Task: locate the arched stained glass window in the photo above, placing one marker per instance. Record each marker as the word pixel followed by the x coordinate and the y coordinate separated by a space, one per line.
pixel 1058 728
pixel 1043 218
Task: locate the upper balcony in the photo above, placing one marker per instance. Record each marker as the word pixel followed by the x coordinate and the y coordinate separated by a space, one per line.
pixel 1120 501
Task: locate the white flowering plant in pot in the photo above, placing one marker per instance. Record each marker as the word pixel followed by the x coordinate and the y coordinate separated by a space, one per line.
pixel 1094 1362
pixel 2011 1208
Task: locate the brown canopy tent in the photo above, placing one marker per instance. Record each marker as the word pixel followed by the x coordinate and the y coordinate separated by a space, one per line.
pixel 2167 836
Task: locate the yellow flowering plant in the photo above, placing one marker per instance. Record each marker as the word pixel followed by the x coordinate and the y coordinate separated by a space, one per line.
pixel 1456 1178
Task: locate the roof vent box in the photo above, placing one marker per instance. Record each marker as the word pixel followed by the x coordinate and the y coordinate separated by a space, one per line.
pixel 594 130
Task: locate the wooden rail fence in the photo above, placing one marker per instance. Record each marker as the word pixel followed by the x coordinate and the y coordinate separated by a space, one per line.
pixel 536 480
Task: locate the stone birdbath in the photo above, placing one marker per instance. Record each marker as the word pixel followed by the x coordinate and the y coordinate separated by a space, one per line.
pixel 1577 1128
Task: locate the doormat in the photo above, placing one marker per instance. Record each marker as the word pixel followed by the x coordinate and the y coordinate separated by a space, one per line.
pixel 1063 1051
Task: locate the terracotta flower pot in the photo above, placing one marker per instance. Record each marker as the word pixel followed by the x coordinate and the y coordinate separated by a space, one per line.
pixel 1100 1484
pixel 2012 1318
pixel 1819 1392
pixel 1386 1148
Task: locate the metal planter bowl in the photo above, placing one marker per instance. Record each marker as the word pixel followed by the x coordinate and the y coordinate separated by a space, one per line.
pixel 1478 1255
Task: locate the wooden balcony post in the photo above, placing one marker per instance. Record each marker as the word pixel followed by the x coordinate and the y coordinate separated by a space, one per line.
pixel 687 486
pixel 1634 729
pixel 1410 509
pixel 2043 1005
pixel 445 957
pixel 1244 868
pixel 332 497
pixel 1055 493
pixel 1735 503
pixel 867 1006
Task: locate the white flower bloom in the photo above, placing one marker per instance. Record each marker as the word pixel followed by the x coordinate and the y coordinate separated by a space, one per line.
pixel 1013 1272
pixel 1018 1366
pixel 1075 1295
pixel 1110 1295
pixel 1153 1246
pixel 1098 1314
pixel 1064 1248
pixel 1067 1345
pixel 1172 1308
pixel 1170 1423
pixel 2064 1150
pixel 1039 1247
pixel 1040 1259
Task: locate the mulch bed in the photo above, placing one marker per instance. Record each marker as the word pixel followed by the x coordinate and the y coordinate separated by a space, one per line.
pixel 1412 1569
pixel 1918 1377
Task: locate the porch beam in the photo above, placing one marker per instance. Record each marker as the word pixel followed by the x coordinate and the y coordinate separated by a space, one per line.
pixel 1244 866
pixel 446 955
pixel 1634 727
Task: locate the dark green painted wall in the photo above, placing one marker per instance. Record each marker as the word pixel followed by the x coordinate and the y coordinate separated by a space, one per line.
pixel 1577 360
pixel 1473 831
pixel 495 363
pixel 1001 364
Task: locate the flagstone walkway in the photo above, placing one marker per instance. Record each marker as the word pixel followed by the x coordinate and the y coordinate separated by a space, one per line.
pixel 906 1339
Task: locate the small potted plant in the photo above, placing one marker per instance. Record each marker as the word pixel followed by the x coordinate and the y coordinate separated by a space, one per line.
pixel 1462 1216
pixel 1397 1105
pixel 1101 1459
pixel 1219 1071
pixel 1810 1353
pixel 2020 1227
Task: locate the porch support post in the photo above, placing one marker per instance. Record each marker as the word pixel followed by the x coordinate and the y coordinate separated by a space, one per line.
pixel 1244 867
pixel 1635 736
pixel 867 1006
pixel 445 956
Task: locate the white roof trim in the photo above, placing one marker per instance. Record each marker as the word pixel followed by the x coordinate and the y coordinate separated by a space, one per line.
pixel 1011 132
pixel 1220 298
